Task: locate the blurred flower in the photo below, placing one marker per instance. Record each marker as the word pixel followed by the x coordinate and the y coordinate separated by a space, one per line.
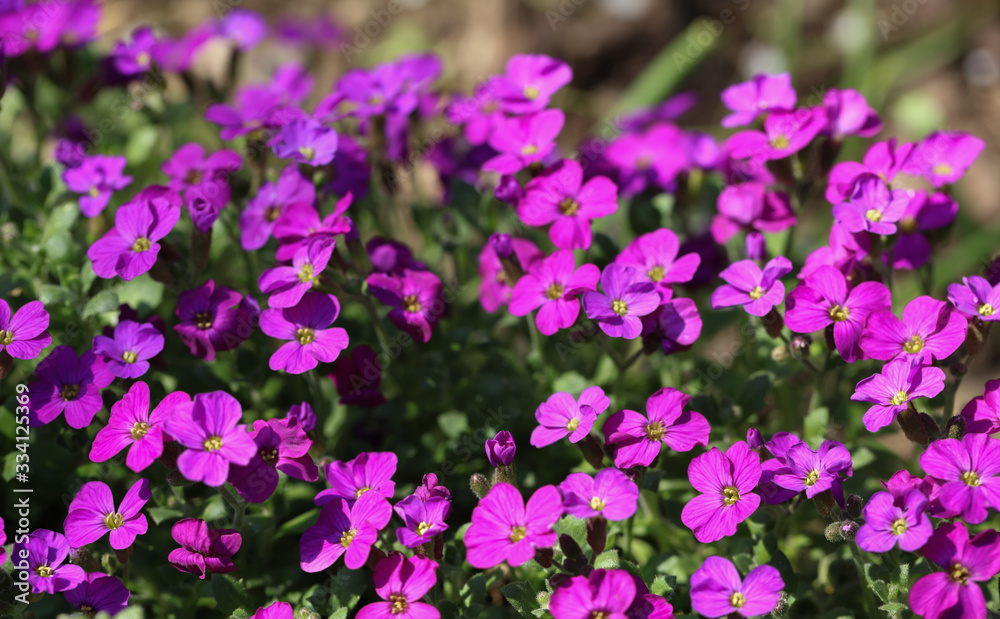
pixel 717 589
pixel 481 114
pixel 750 207
pixel 912 249
pixel 210 430
pixel 357 377
pixel 552 285
pixel 785 133
pixel 529 82
pixel 524 140
pixel 674 326
pixel 747 285
pixel 203 551
pixel 92 513
pixel 304 414
pixel 132 425
pixel 349 480
pixel 213 319
pixel 982 413
pixel 305 140
pixel 883 159
pixel 245 27
pixel 763 94
pixel 943 156
pixel 848 113
pixel 505 529
pixel 495 289
pixel 402 582
pixel 299 223
pixel 23 335
pixel 637 438
pixel 138 55
pixel 652 158
pixel 96 177
pixel 727 481
pixel 610 494
pixel 282 445
pixel 307 326
pixel 654 256
pixel 563 416
pixel 346 531
pixel 45 551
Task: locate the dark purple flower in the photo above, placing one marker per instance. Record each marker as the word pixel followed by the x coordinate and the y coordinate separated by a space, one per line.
pixel 263 209
pixel 203 551
pixel 98 593
pixel 138 55
pixel 674 326
pixel 624 300
pixel 357 377
pixel 128 352
pixel 912 249
pixel 282 445
pixel 213 319
pixel 307 327
pixel 500 449
pixel 416 299
pixel 873 207
pixel 66 383
pixel 815 471
pixel 45 551
pixel 305 140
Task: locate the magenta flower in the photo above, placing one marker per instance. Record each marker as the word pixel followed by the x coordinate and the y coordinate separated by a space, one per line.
pixel 138 55
pixel 888 523
pixel 976 297
pixel 92 514
pixel 524 140
pixel 757 291
pixel 480 115
pixel 277 610
pixel 727 482
pixel 930 330
pixel 954 592
pixel 349 480
pixel 717 590
pixel 552 286
pixel 607 594
pixel 873 207
pixel 529 81
pixel 304 414
pixel 299 223
pixel 610 494
pixel 674 326
pixel 357 378
pixel 761 95
pixel 130 248
pixel 189 168
pixel 132 425
pixel 213 319
pixel 848 113
pixel 637 438
pixel 287 284
pixel 785 133
pixel 415 297
pixel 263 209
pixel 561 198
pixel 562 415
pixel 923 214
pixel 305 140
pixel 24 334
pixel 244 27
pixel 402 582
pixel 500 449
pixel 505 529
pixel 307 325
pixel 845 251
pixel 982 413
pixel 943 156
pixel 203 551
pixel 752 208
pixel 652 158
pixel 98 593
pixel 45 552
pixel 282 445
pixel 883 159
pixel 654 257
pixel 128 352
pixel 625 299
pixel 422 519
pixel 814 471
pixel 96 178
pixel 966 471
pixel 890 392
pixel 824 299
pixel 209 427
pixel 494 288
pixel 65 383
pixel 346 531
pixel 3 540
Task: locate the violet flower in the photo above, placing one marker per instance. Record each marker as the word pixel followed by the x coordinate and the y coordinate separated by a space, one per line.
pixel 727 482
pixel 305 140
pixel 92 514
pixel 815 471
pixel 637 438
pixel 203 551
pixel 718 591
pixel 609 494
pixel 402 582
pixel 563 416
pixel 504 528
pixel 500 449
pixel 132 425
pixel 422 519
pixel 299 223
pixel 45 552
pixel 982 413
pixel 263 209
pixel 210 430
pixel 287 284
pixel 674 326
pixel 349 480
pixel 762 94
pixel 873 207
pixel 529 81
pixel 757 291
pixel 888 524
pixel 357 377
pixel 955 592
pixel 975 297
pixel 213 319
pixel 966 471
pixel 524 140
pixel 128 352
pixel 129 249
pixel 307 326
pixel 70 385
pixel 930 330
pixel 282 445
pixel 96 178
pixel 415 297
pixel 342 530
pixel 924 213
pixel 24 334
pixel 848 113
pixel 607 594
pixel 98 593
pixel 624 300
pixel 883 159
pixel 943 156
pixel 654 256
pixel 900 381
pixel 138 55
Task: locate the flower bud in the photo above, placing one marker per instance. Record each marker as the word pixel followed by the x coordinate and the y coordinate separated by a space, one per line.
pixel 544 556
pixel 479 484
pixel 955 427
pixel 930 426
pixel 832 532
pixel 500 449
pixel 958 369
pixel 773 323
pixel 755 440
pixel 799 345
pixel 781 608
pixel 756 246
pixel 854 505
pixel 779 353
pixel 824 503
pixel 123 555
pixel 509 190
pixel 913 428
pixel 558 579
pixel 174 478
pixel 502 245
pixel 597 534
pixel 848 529
pixel 569 546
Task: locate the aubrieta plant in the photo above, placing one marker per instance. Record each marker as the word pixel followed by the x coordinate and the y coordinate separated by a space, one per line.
pixel 258 381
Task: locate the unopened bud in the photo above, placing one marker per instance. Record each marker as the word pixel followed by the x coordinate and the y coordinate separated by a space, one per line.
pixel 955 427
pixel 779 353
pixel 913 428
pixel 832 532
pixel 502 245
pixel 781 608
pixel 958 369
pixel 374 556
pixel 592 451
pixel 558 579
pixel 174 478
pixel 854 505
pixel 479 485
pixel 544 556
pixel 505 475
pixel 799 345
pixel 824 503
pixel 569 546
pixel 931 426
pixel 755 440
pixel 123 555
pixel 831 343
pixel 773 323
pixel 597 534
pixel 848 529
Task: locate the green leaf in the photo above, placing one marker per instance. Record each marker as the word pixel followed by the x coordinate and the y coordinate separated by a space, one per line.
pixel 664 586
pixel 240 613
pixel 901 577
pixel 298 524
pixel 574 527
pixel 755 391
pixel 453 423
pixel 104 301
pixel 140 144
pixel 473 595
pixel 893 607
pixel 162 514
pixel 229 593
pixel 54 295
pixel 607 560
pixel 570 382
pixel 880 589
pixel 142 293
pixel 815 426
pixel 521 596
pixel 743 562
pixel 340 613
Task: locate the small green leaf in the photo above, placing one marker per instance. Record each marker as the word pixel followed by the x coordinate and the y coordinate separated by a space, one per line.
pixel 901 577
pixel 229 593
pixel 607 560
pixel 743 562
pixel 521 596
pixel 893 607
pixel 663 586
pixel 162 514
pixel 104 301
pixel 815 426
pixel 570 382
pixel 574 527
pixel 880 589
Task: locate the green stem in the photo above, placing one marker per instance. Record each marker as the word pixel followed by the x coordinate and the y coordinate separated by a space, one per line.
pixel 239 507
pixel 869 599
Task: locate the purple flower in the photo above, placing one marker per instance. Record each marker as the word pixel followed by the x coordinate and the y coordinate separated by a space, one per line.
pixel 68 384
pixel 209 427
pixel 930 330
pixel 954 592
pixel 674 326
pixel 751 207
pixel 873 207
pixel 277 610
pixel 901 381
pixel 888 524
pixel 966 471
pixel 92 514
pixel 132 425
pixel 561 415
pixel 244 27
pixel 258 110
pixel 287 284
pixel 610 494
pixel 973 297
pixel 625 299
pixel 3 540
pixel 127 353
pixel 307 326
pixel 757 291
pixel 982 413
pixel 500 449
pixel 97 178
pixel 263 209
pixel 423 519
pixel 203 551
pixel 415 297
pixel 653 158
pixel 392 257
pixel 529 82
pixel 213 319
pixel 479 114
pixel 24 334
pixel 137 56
pixel 717 590
pixel 848 113
pixel 505 529
pixel 130 248
pixel 761 95
pixel 299 223
pixel 637 438
pixel 913 249
pixel 654 257
pixel 98 593
pixel 561 198
pixel 429 489
pixel 305 140
pixel 45 551
pixel 357 377
pixel 785 133
pixel 943 156
pixel 342 530
pixel 524 140
pixel 551 286
pixel 824 299
pixel 727 482
pixel 349 480
pixel 282 445
pixel 304 414
pixel 203 180
pixel 846 251
pixel 814 471
pixel 402 582
pixel 883 159
pixel 607 594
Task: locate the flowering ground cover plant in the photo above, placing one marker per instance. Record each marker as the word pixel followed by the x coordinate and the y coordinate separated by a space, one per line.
pixel 253 367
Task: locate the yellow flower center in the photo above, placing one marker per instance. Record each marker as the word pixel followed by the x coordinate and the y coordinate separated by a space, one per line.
pixel 530 149
pixel 307 152
pixel 142 59
pixel 139 430
pixel 44 571
pixel 305 335
pixel 141 244
pixel 569 206
pixel 914 345
pixel 986 309
pixel 554 291
pixel 94 191
pixel 597 504
pixel 269 455
pixel 959 573
pixel 423 528
pixel 656 273
pixel 360 491
pixel 756 293
pixel 655 431
pixel 347 537
pixel 811 478
pixel 113 521
pixel 517 533
pixel 399 604
pixel 899 399
pixel 737 599
pixel 531 93
pixel 839 313
pixel 203 320
pixel 306 274
pixel 730 495
pixel 619 307
pixel 130 356
pixel 69 392
pixel 899 526
pixel 212 443
pixel 780 142
pixel 873 215
pixel 942 169
pixel 970 478
pixel 6 337
pixel 908 224
pixel 193 177
pixel 271 213
pixel 573 424
pixel 599 614
pixel 412 304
